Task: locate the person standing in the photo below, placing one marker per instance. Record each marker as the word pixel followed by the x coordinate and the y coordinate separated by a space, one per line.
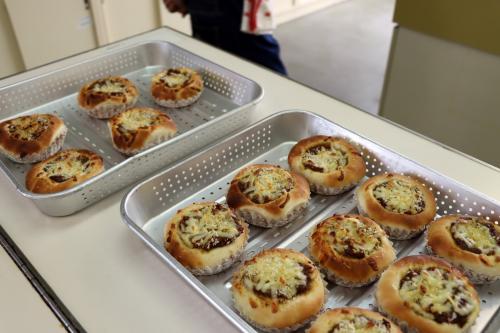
pixel 241 27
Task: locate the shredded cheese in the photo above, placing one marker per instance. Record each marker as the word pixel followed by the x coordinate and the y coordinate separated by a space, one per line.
pixel 399 196
pixel 173 78
pixel 133 119
pixel 208 227
pixel 265 184
pixel 476 235
pixel 275 276
pixel 353 237
pixel 108 86
pixel 361 324
pixel 28 128
pixel 327 157
pixel 67 165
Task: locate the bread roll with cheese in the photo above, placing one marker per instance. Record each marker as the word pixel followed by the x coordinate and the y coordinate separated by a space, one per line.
pixel 401 205
pixel 206 237
pixel 351 249
pixel 352 320
pixel 426 294
pixel 267 195
pixel 472 244
pixel 33 138
pixel 64 170
pixel 331 165
pixel 278 290
pixel 138 129
pixel 176 87
pixel 107 97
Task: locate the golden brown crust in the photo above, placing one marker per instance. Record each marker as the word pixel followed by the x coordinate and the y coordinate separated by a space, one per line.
pixel 202 261
pixel 442 243
pixel 91 96
pixel 274 312
pixel 326 322
pixel 391 303
pixel 63 170
pixel 191 88
pixel 137 129
pixel 337 180
pixel 26 139
pixel 273 210
pixel 394 223
pixel 351 261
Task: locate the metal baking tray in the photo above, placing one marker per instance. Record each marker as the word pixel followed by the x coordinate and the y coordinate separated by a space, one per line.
pixel 206 176
pixel 223 107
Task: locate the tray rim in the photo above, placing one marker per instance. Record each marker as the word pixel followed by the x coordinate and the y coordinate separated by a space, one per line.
pixel 191 279
pixel 115 168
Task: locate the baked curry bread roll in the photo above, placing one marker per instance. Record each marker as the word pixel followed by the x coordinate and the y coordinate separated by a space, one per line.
pixel 352 250
pixel 267 195
pixel 278 290
pixel 426 294
pixel 63 170
pixel 176 87
pixel 138 129
pixel 401 205
pixel 352 320
pixel 470 243
pixel 206 237
pixel 33 138
pixel 108 96
pixel 331 165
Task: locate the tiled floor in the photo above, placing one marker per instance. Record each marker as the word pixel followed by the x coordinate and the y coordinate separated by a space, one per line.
pixel 341 50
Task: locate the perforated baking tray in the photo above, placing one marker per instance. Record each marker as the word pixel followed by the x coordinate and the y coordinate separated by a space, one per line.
pixel 206 176
pixel 223 107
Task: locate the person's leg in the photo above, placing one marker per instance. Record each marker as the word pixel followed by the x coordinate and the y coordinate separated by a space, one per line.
pixel 218 23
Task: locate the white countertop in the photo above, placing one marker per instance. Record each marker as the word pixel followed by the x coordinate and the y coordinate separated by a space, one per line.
pixel 19 301
pixel 107 277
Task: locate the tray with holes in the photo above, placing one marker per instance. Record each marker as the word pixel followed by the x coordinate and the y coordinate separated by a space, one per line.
pixel 223 107
pixel 206 176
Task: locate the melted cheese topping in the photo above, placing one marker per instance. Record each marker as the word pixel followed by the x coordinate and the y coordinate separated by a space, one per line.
pixel 175 78
pixel 353 238
pixel 399 196
pixel 108 86
pixel 476 236
pixel 133 119
pixel 262 185
pixel 326 157
pixel 434 294
pixel 361 324
pixel 207 227
pixel 66 165
pixel 275 276
pixel 28 128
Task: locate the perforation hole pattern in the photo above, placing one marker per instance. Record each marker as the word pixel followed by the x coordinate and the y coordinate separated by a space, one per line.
pixel 225 93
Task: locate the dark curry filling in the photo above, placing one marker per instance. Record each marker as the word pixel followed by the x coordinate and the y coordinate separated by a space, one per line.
pixel 476 235
pixel 435 294
pixel 263 185
pixel 209 227
pixel 325 157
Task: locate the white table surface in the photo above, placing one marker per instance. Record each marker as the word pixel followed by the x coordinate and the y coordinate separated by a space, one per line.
pixel 107 277
pixel 21 308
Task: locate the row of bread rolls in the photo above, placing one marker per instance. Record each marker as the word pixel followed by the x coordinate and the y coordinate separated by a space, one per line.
pixel 352 250
pixel 39 138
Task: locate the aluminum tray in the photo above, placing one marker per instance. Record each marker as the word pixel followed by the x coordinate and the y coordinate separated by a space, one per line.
pixel 222 108
pixel 206 176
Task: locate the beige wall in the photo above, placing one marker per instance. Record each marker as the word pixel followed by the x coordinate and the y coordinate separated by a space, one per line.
pixel 10 56
pixel 446 91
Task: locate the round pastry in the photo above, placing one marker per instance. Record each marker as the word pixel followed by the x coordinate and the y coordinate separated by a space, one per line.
pixel 470 243
pixel 331 165
pixel 206 237
pixel 176 87
pixel 351 249
pixel 401 205
pixel 107 97
pixel 63 170
pixel 426 294
pixel 352 320
pixel 138 129
pixel 268 196
pixel 30 139
pixel 278 290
